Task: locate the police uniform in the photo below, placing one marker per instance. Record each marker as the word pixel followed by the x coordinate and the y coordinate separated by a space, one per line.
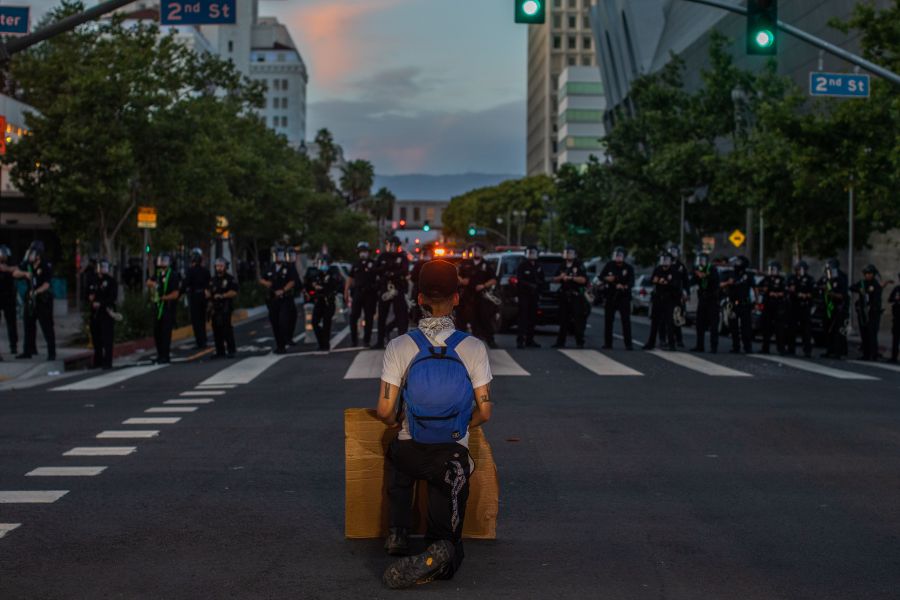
pixel 894 301
pixel 666 296
pixel 739 288
pixel 530 281
pixel 293 313
pixel 280 275
pixel 868 310
pixel 8 299
pixel 196 282
pixel 104 291
pixel 38 309
pixel 321 288
pixel 573 307
pixel 684 276
pixel 617 300
pixel 800 289
pixel 706 279
pixel 775 312
pixel 837 312
pixel 167 281
pixel 221 309
pixel 478 310
pixel 364 296
pixel 393 270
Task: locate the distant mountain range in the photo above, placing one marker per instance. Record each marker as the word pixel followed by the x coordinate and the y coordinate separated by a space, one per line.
pixel 437 187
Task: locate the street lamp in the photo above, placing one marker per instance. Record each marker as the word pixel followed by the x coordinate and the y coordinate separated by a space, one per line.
pixel 519 216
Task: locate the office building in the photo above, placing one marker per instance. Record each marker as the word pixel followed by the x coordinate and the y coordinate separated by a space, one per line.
pixel 580 117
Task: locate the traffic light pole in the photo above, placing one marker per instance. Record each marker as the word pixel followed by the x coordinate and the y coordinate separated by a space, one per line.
pixel 813 40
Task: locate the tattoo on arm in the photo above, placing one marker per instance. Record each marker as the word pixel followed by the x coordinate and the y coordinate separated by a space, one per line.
pixel 387 391
pixel 484 398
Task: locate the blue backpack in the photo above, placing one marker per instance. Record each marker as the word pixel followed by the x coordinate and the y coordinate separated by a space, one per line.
pixel 438 393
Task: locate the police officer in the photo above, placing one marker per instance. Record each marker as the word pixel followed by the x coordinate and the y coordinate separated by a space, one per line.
pixel 8 298
pixel 573 307
pixel 222 291
pixel 392 267
pixel 165 289
pixel 775 308
pixel 894 301
pixel 833 288
pixel 478 278
pixel 38 301
pixel 868 310
pixel 361 294
pixel 666 296
pixel 293 313
pixel 618 278
pixel 280 280
pixel 706 279
pixel 680 268
pixel 801 288
pixel 529 282
pixel 415 313
pixel 196 282
pixel 322 287
pixel 102 296
pixel 739 287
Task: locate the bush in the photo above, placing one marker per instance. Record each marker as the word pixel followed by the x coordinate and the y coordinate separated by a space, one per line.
pixel 250 295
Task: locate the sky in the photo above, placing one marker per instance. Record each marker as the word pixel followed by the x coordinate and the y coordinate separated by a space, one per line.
pixel 414 86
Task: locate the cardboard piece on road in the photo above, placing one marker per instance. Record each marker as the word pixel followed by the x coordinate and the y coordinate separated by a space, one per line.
pixel 366 510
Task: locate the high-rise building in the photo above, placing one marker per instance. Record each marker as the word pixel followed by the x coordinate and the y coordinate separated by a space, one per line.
pixel 580 117
pixel 564 40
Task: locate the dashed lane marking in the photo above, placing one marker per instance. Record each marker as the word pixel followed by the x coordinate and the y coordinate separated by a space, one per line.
pixel 101 451
pixel 32 497
pixel 126 435
pixel 151 421
pixel 700 365
pixel 65 472
pixel 877 365
pixel 171 409
pixel 108 379
pixel 190 401
pixel 203 393
pixel 503 364
pixel 366 365
pixel 600 363
pixel 221 386
pixel 5 528
pixel 812 367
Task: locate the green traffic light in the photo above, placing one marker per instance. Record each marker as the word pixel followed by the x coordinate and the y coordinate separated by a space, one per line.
pixel 764 38
pixel 532 12
pixel 531 8
pixel 427 227
pixel 472 231
pixel 147 249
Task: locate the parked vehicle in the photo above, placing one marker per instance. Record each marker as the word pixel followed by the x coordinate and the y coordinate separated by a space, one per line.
pixel 640 295
pixel 548 301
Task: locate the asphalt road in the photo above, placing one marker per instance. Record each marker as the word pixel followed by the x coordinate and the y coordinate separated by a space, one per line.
pixel 635 477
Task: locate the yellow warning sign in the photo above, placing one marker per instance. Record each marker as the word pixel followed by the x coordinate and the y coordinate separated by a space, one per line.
pixel 737 238
pixel 146 217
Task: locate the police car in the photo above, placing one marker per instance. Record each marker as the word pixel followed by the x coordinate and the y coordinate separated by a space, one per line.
pixel 506 264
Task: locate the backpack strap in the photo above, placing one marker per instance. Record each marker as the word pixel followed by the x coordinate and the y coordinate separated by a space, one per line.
pixel 455 338
pixel 420 339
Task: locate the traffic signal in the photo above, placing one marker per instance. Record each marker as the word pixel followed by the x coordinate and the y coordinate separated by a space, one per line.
pixel 426 226
pixel 531 12
pixel 762 27
pixel 472 231
pixel 402 223
pixel 147 249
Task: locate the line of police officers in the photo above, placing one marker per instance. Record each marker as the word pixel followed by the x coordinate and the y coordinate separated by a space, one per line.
pixel 38 306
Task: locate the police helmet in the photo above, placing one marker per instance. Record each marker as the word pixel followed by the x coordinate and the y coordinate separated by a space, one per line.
pixel 35 250
pixel 5 251
pixel 619 251
pixel 221 261
pixel 291 252
pixel 395 241
pixel 103 266
pixel 363 247
pixel 674 251
pixel 870 269
pixel 774 267
pixel 531 251
pixel 702 259
pixel 739 263
pixel 833 264
pixel 801 266
pixel 278 254
pixel 664 259
pixel 477 249
pixel 163 260
pixel 196 254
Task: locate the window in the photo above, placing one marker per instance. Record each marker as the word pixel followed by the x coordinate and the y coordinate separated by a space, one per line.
pixel 284 121
pixel 417 214
pixel 284 103
pixel 557 3
pixel 277 83
pixel 586 60
pixel 284 84
pixel 572 61
pixel 573 43
pixel 429 214
pixel 259 57
pixel 573 4
pixel 581 115
pixel 230 46
pixel 557 21
pixel 402 213
pixel 581 88
pixel 586 22
pixel 281 57
pixel 583 143
pixel 586 42
pixel 557 42
pixel 573 22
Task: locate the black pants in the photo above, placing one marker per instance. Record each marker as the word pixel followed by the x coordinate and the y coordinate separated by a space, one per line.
pixel 572 313
pixel 323 313
pixel 662 322
pixel 801 325
pixel 293 317
pixel 364 304
pixel 162 335
pixel 445 469
pixel 895 345
pixel 401 316
pixel 43 315
pixel 741 326
pixel 618 302
pixel 223 332
pixel 837 341
pixel 775 321
pixel 8 312
pixel 102 335
pixel 528 307
pixel 198 318
pixel 280 319
pixel 483 319
pixel 708 320
pixel 868 331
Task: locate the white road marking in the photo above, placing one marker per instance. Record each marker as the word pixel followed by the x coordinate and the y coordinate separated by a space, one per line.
pixel 695 363
pixel 221 386
pixel 125 435
pixel 204 393
pixel 32 497
pixel 877 365
pixel 190 401
pixel 366 365
pixel 101 451
pixel 65 472
pixel 600 363
pixel 171 409
pixel 7 527
pixel 151 421
pixel 108 379
pixel 244 371
pixel 339 337
pixel 812 367
pixel 263 340
pixel 504 364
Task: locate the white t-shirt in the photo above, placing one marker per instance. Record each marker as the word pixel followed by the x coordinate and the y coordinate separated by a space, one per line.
pixel 402 350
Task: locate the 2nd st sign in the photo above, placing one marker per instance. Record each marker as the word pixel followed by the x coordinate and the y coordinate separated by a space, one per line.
pixel 839 85
pixel 198 12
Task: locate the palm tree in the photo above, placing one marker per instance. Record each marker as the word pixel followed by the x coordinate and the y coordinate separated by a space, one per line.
pixel 357 178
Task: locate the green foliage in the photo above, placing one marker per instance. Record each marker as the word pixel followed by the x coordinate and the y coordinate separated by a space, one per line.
pixel 357 178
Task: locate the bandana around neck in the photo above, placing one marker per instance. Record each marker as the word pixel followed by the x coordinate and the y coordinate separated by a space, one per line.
pixel 433 326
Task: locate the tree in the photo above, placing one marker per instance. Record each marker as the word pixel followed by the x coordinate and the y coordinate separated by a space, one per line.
pixel 357 178
pixel 324 161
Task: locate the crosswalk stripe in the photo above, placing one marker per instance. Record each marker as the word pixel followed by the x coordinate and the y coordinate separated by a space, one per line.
pixel 203 393
pixel 695 363
pixel 812 367
pixel 244 371
pixel 7 527
pixel 877 365
pixel 366 365
pixel 339 337
pixel 171 409
pixel 125 435
pixel 101 451
pixel 190 401
pixel 221 386
pixel 503 364
pixel 151 421
pixel 65 472
pixel 108 379
pixel 600 363
pixel 32 497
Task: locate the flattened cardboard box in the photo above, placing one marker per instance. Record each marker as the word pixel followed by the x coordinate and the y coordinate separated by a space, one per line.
pixel 366 510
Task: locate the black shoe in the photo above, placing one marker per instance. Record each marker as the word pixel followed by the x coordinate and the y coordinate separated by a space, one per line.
pixel 649 347
pixel 280 351
pixel 698 349
pixel 397 542
pixel 324 348
pixel 23 355
pixel 421 568
pixel 532 344
pixel 558 345
pixel 606 347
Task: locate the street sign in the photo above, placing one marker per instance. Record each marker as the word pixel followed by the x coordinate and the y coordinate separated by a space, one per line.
pixel 222 227
pixel 737 238
pixel 198 12
pixel 146 217
pixel 15 20
pixel 839 85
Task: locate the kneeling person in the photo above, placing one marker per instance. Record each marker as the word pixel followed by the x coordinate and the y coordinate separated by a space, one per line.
pixel 445 377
